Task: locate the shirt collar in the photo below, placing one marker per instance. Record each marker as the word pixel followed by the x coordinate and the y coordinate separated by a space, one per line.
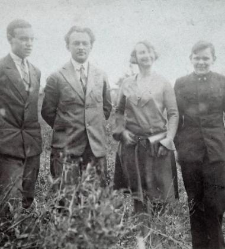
pixel 17 59
pixel 77 66
pixel 204 77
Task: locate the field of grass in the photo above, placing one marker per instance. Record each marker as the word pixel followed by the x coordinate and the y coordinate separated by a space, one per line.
pixel 96 218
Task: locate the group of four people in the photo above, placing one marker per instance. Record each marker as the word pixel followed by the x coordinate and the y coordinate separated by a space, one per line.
pixel 148 113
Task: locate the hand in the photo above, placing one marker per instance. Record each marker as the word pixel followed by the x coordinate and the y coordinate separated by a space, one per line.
pixel 128 137
pixel 162 151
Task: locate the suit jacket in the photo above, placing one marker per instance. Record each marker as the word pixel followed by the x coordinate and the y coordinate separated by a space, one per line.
pixel 20 134
pixel 201 103
pixel 77 119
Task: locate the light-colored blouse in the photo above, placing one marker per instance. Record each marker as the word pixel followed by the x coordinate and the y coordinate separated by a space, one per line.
pixel 147 110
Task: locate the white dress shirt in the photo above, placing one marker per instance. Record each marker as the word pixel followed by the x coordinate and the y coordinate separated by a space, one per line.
pixel 18 61
pixel 77 66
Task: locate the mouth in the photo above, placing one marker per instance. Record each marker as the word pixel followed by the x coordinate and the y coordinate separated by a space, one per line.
pixel 201 68
pixel 146 61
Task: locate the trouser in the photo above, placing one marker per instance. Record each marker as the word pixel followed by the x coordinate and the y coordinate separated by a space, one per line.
pixel 17 178
pixel 205 186
pixel 77 164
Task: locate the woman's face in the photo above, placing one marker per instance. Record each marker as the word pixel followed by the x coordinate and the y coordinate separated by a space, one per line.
pixel 144 56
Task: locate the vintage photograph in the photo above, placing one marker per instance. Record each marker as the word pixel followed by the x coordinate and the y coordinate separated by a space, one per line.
pixel 112 124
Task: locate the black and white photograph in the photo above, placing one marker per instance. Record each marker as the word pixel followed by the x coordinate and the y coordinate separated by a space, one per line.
pixel 112 124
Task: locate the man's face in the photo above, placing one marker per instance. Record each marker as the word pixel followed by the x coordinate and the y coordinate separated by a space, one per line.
pixel 79 46
pixel 22 42
pixel 145 57
pixel 202 61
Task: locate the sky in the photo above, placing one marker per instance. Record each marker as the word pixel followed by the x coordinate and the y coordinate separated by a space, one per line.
pixel 172 26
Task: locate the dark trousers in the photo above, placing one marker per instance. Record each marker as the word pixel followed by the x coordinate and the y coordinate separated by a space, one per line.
pixel 18 177
pixel 205 186
pixel 77 164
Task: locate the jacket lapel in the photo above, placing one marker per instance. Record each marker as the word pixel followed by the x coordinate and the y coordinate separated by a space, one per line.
pixel 33 83
pixel 14 76
pixel 148 90
pixel 131 91
pixel 91 79
pixel 69 74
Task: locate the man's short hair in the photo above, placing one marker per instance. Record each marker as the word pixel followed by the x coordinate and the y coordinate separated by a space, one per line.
pixel 81 30
pixel 15 24
pixel 202 45
pixel 148 45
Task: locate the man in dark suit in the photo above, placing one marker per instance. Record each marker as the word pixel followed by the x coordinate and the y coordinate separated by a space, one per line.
pixel 76 103
pixel 20 136
pixel 200 144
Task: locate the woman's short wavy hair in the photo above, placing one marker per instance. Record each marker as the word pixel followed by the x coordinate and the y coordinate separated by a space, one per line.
pixel 149 46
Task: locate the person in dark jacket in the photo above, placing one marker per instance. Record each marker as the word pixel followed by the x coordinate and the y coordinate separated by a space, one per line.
pixel 20 135
pixel 200 144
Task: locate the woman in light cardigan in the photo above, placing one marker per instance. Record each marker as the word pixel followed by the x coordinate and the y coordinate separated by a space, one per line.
pixel 146 123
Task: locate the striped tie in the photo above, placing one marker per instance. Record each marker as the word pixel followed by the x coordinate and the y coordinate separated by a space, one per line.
pixel 25 75
pixel 83 78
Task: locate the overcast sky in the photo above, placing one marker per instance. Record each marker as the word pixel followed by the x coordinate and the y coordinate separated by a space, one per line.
pixel 172 26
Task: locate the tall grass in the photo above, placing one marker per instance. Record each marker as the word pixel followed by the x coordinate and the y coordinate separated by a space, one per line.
pixel 87 216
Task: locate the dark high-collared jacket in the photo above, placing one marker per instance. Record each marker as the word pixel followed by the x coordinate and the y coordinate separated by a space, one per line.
pixel 201 104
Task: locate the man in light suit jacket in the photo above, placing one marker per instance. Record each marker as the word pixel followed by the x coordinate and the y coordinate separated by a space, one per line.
pixel 76 103
pixel 20 135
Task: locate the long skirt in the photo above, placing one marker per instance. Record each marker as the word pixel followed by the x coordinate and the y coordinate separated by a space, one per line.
pixel 146 175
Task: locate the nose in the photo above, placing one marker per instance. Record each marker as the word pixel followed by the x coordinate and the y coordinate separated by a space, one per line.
pixel 29 42
pixel 201 61
pixel 81 46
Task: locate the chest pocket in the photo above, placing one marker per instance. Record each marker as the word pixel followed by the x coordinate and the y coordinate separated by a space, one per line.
pixel 69 99
pixel 69 95
pixel 190 97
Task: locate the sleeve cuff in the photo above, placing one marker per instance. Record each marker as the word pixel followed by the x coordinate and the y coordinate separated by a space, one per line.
pixel 168 143
pixel 117 133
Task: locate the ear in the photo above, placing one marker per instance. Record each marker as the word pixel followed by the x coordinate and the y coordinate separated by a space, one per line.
pixel 9 37
pixel 214 58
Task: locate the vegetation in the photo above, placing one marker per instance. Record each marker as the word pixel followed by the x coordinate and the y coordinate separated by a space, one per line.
pixel 91 217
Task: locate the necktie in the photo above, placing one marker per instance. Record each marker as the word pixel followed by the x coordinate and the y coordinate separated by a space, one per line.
pixel 25 75
pixel 83 78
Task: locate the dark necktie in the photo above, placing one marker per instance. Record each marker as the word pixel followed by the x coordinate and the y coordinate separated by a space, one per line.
pixel 83 78
pixel 25 75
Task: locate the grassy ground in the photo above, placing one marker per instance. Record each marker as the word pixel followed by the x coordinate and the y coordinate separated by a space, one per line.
pixel 95 218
